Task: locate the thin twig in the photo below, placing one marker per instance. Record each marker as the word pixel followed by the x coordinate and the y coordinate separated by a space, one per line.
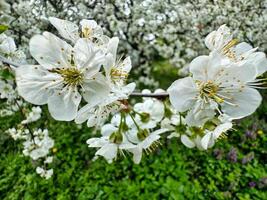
pixel 153 95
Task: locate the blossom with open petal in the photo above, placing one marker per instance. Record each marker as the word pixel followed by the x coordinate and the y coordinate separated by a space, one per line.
pixel 145 141
pixel 222 42
pixel 111 142
pixel 116 74
pixel 88 29
pixel 216 87
pixel 63 72
pixel 117 71
pixel 204 139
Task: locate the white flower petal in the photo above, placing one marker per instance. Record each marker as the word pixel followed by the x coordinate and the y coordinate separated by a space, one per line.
pixel 187 141
pixel 199 67
pixel 108 129
pixel 137 154
pixel 95 91
pixel 88 57
pixel 50 51
pixel 182 94
pixel 66 29
pixel 206 140
pixel 64 106
pixel 83 114
pixel 245 103
pixel 221 129
pixel 259 60
pixel 32 83
pixel 109 151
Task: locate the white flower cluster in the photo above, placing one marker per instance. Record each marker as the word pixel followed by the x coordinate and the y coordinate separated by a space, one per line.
pixel 37 145
pixel 222 88
pixel 33 116
pixel 87 69
pixel 8 91
pixel 9 49
pixel 134 131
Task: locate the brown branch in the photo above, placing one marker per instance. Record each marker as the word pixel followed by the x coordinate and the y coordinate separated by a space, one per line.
pixel 153 95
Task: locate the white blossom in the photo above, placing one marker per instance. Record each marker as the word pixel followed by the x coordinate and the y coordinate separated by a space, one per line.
pixel 111 143
pixel 204 139
pixel 47 174
pixel 38 146
pixel 33 116
pixel 215 87
pixel 62 71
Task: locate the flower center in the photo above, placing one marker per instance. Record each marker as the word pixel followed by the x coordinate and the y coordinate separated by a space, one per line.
pixel 71 76
pixel 87 32
pixel 118 74
pixel 208 90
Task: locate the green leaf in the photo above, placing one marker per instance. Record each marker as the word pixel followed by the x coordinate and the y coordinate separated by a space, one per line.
pixel 3 28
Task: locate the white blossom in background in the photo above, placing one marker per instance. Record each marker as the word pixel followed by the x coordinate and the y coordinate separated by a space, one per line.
pixel 38 146
pixel 7 91
pixel 47 174
pixel 18 134
pixel 9 49
pixel 33 116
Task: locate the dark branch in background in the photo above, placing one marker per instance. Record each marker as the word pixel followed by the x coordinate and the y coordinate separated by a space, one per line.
pixel 153 95
pixel 134 94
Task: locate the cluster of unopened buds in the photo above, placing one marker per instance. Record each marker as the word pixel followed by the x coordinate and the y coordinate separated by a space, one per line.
pixel 84 80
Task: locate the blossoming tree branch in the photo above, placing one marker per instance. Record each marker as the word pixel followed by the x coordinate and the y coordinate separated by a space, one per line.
pixel 82 79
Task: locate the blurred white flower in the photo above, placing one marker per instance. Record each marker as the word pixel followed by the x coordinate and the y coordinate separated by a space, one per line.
pixel 47 174
pixel 7 91
pixel 39 146
pixel 223 43
pixel 18 133
pixel 7 45
pixel 33 116
pixel 48 160
pixel 70 31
